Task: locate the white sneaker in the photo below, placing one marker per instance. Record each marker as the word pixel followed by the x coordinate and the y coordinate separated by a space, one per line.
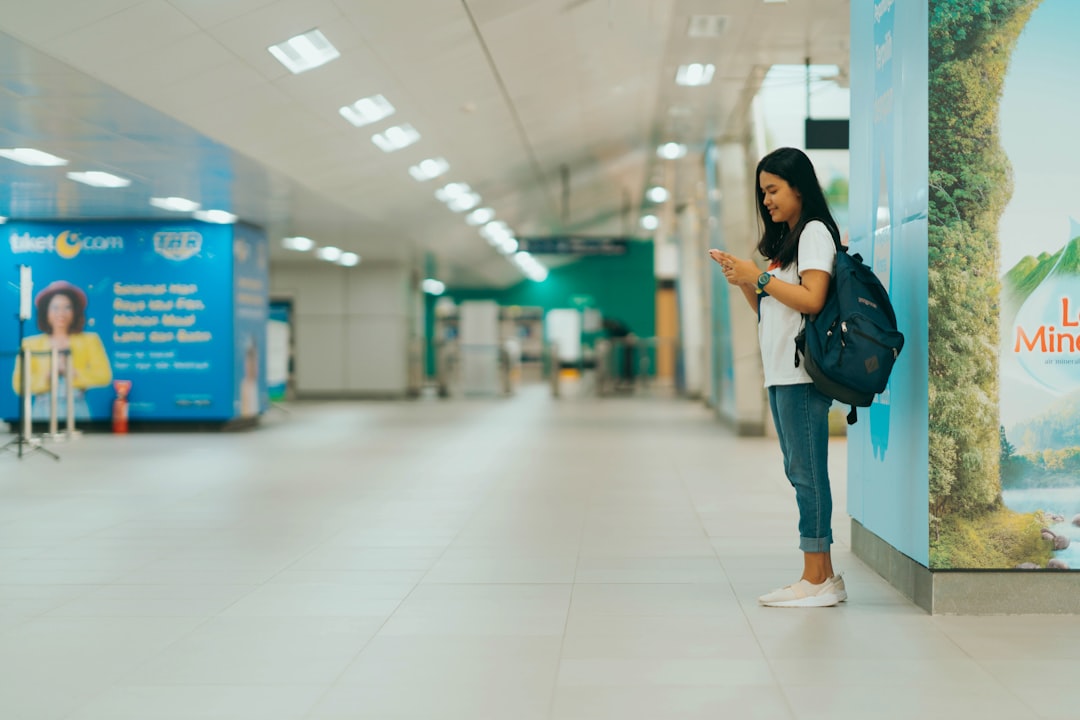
pixel 838 582
pixel 806 594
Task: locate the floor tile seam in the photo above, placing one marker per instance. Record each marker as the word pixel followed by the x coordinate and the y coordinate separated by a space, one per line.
pixel 136 667
pixel 1007 687
pixel 776 684
pixel 88 589
pixel 338 678
pixel 589 503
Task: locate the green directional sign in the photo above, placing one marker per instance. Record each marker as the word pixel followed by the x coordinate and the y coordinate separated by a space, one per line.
pixel 582 301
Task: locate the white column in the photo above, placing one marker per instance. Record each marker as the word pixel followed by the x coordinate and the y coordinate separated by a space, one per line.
pixel 693 298
pixel 741 235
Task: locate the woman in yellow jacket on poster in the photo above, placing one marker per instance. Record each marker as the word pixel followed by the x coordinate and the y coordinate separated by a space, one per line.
pixel 61 316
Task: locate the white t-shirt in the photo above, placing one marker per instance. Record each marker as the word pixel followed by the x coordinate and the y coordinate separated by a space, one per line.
pixel 778 324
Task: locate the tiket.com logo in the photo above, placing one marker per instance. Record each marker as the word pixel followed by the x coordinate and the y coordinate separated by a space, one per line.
pixel 177 245
pixel 67 244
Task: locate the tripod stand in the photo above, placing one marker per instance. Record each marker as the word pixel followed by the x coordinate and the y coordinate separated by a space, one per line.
pixel 24 442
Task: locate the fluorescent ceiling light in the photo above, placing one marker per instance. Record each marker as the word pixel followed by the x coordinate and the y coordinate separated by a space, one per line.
pixel 464 202
pixel 650 222
pixel 96 178
pixel 30 156
pixel 304 52
pixel 480 217
pixel 671 151
pixel 452 190
pixel 430 168
pixel 395 138
pixel 507 246
pixel 367 110
pixel 433 287
pixel 176 204
pixel 695 74
pixel 496 231
pixel 298 243
pixel 329 253
pixel 657 194
pixel 221 217
pixel 529 265
pixel 2 219
pixel 349 259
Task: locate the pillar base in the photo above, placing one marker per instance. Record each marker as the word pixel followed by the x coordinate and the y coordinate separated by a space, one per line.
pixel 969 592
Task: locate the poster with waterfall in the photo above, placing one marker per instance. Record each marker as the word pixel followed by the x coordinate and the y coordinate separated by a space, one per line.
pixel 1004 329
pixel 1040 285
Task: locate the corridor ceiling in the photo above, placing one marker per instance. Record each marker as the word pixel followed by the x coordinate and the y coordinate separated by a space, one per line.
pixel 551 110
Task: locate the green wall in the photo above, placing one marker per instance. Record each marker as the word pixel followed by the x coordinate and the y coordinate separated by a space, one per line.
pixel 623 287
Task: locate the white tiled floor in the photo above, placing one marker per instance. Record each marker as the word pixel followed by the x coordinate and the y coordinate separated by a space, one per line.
pixel 513 560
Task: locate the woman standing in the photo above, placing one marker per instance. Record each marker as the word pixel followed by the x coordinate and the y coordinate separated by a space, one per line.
pixel 799 241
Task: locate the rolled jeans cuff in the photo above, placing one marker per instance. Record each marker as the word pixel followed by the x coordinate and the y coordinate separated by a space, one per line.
pixel 815 545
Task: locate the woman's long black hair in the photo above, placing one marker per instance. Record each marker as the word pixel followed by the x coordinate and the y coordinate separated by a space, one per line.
pixel 778 242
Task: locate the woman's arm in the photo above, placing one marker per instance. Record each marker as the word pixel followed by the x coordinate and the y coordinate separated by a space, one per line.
pixel 807 298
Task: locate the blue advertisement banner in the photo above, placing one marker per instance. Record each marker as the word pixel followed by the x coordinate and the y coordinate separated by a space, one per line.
pixel 251 297
pixel 723 353
pixel 887 449
pixel 139 301
pixel 278 330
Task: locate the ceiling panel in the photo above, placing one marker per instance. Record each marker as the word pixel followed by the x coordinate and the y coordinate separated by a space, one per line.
pixel 208 13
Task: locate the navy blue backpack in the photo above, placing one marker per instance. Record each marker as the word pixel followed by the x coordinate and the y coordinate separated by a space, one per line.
pixel 850 347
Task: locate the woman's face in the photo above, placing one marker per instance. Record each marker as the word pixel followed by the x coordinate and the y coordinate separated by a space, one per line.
pixel 61 313
pixel 781 200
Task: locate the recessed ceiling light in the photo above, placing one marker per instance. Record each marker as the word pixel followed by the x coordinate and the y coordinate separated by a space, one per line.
pixel 176 204
pixel 530 266
pixel 480 217
pixel 304 52
pixel 430 168
pixel 298 243
pixel 221 217
pixel 433 287
pixel 657 194
pixel 328 253
pixel 96 178
pixel 30 156
pixel 464 202
pixel 496 231
pixel 671 151
pixel 695 74
pixel 450 191
pixel 395 138
pixel 367 110
pixel 650 222
pixel 2 219
pixel 349 259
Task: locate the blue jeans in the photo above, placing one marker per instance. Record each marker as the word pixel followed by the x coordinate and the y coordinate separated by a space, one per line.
pixel 801 415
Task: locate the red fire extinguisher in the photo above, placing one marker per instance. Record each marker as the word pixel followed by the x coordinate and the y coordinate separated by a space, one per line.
pixel 120 406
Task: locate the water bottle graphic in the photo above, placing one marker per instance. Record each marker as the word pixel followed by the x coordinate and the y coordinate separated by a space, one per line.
pixel 1046 332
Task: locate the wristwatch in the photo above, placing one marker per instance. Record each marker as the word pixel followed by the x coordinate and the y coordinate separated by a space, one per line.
pixel 762 281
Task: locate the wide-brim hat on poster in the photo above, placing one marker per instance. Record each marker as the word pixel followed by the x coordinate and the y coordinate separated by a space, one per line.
pixel 78 297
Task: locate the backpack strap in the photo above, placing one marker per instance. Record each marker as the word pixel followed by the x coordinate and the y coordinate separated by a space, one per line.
pixel 853 415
